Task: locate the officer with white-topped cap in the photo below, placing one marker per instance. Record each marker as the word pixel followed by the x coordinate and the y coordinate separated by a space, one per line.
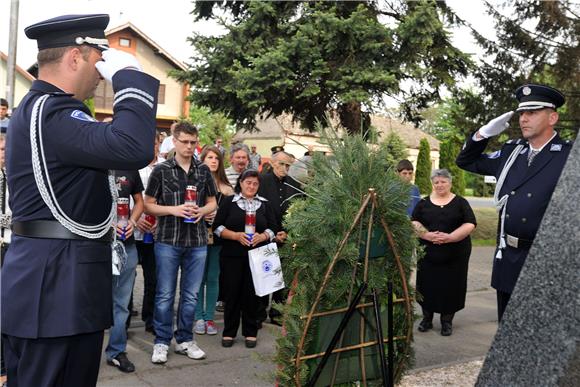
pixel 526 170
pixel 57 277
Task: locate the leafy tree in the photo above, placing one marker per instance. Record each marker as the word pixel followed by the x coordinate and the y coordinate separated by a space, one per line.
pixel 423 172
pixel 306 58
pixel 90 103
pixel 211 125
pixel 538 42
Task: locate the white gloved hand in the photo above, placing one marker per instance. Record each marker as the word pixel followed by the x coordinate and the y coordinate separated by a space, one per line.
pixel 496 126
pixel 115 60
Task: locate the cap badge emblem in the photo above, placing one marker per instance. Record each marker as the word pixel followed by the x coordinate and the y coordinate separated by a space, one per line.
pixel 526 90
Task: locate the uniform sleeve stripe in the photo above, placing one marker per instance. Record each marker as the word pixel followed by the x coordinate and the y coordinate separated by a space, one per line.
pixel 136 96
pixel 134 90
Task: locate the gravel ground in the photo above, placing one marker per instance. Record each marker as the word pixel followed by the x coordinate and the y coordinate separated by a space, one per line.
pixel 462 374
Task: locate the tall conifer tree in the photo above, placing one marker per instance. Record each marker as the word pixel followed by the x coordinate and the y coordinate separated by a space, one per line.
pixel 423 172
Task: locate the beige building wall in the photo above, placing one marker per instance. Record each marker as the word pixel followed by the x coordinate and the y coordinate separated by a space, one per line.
pixel 21 86
pixel 263 145
pixel 414 153
pixel 158 67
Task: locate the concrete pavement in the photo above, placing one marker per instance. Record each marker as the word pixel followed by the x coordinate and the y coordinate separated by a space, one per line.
pixel 473 331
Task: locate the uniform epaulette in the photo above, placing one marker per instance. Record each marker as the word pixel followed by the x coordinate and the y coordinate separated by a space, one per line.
pixel 568 142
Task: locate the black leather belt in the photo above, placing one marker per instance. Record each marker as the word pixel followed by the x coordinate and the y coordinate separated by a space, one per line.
pixel 52 229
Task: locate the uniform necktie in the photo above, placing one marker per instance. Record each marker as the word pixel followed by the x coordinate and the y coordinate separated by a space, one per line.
pixel 531 156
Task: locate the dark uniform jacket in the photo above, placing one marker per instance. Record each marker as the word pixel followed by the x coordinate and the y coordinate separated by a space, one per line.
pixel 529 189
pixel 279 193
pixel 55 287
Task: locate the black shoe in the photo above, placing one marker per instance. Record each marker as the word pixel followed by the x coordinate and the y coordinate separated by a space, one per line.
pixel 227 343
pixel 122 363
pixel 251 343
pixel 425 325
pixel 275 321
pixel 446 329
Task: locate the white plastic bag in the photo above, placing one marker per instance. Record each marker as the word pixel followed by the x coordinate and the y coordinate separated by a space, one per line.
pixel 266 269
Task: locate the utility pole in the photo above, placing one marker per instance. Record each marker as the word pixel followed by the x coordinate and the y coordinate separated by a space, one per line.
pixel 11 62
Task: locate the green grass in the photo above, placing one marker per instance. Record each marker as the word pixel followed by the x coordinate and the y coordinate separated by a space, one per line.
pixel 486 224
pixel 482 242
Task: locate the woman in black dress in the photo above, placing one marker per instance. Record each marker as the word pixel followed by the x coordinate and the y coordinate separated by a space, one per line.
pixel 229 225
pixel 443 221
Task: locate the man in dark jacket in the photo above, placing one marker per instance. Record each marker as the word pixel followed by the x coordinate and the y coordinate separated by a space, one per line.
pixel 527 171
pixel 279 188
pixel 57 274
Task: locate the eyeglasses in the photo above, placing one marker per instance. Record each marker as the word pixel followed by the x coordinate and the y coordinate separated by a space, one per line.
pixel 185 142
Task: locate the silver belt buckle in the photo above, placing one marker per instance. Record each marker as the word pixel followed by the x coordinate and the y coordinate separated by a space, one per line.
pixel 512 241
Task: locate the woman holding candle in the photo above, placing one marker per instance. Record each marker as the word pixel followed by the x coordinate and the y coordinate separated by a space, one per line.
pixel 233 224
pixel 208 291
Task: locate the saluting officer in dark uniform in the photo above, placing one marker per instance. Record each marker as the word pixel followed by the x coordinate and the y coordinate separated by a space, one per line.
pixel 527 171
pixel 57 277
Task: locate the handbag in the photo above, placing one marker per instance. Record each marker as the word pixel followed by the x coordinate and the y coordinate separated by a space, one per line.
pixel 266 269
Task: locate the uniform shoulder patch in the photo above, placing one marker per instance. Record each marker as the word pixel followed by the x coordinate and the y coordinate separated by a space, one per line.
pixel 80 115
pixel 494 155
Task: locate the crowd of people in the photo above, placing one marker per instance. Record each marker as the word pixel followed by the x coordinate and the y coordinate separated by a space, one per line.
pixel 179 212
pixel 205 242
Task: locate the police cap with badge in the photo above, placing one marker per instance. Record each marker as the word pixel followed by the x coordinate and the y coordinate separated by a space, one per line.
pixel 276 149
pixel 70 30
pixel 536 97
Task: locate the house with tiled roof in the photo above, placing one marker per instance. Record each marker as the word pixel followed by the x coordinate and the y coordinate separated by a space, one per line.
pixel 282 130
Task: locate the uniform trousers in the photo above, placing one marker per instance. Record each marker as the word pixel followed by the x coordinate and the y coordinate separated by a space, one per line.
pixel 53 361
pixel 240 297
pixel 502 301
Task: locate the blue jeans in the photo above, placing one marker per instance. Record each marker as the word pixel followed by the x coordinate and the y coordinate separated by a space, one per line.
pixel 168 260
pixel 205 308
pixel 122 288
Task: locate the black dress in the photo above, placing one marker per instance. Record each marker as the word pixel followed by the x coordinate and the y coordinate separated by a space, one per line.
pixel 239 294
pixel 442 272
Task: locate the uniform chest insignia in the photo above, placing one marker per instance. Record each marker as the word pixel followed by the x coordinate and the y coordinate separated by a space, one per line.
pixel 555 147
pixel 80 115
pixel 494 155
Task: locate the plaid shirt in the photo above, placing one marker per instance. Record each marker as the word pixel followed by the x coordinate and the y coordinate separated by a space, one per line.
pixel 167 185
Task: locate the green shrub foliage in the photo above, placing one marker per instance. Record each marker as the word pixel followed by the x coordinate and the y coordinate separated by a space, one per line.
pixel 318 223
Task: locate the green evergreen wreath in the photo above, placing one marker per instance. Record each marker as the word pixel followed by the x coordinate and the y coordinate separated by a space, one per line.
pixel 316 226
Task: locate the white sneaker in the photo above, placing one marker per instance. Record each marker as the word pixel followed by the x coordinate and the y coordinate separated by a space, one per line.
pixel 199 327
pixel 159 354
pixel 190 349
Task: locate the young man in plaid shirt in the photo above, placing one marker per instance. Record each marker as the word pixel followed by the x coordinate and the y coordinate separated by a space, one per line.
pixel 179 244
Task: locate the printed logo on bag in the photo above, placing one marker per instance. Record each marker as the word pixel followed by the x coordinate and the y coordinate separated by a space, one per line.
pixel 267 266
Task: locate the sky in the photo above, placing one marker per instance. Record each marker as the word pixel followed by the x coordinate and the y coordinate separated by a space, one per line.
pixel 170 25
